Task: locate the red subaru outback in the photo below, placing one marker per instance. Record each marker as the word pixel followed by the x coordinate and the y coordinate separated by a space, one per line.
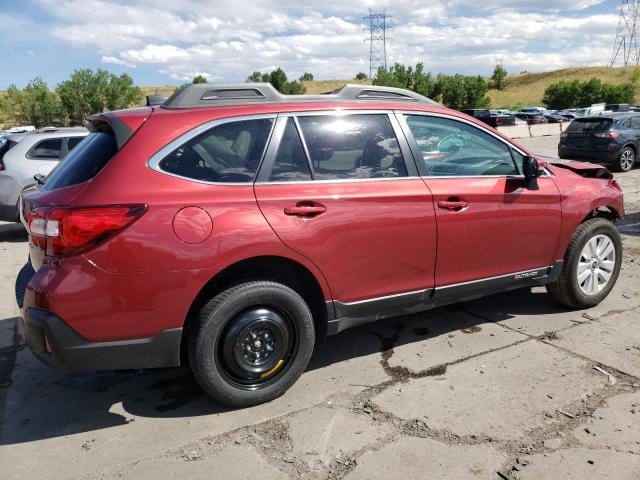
pixel 232 226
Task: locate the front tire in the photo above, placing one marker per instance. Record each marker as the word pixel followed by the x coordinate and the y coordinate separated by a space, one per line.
pixel 251 343
pixel 591 265
pixel 626 160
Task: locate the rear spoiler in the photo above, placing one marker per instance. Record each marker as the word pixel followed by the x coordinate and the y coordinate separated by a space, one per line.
pixel 153 100
pixel 121 123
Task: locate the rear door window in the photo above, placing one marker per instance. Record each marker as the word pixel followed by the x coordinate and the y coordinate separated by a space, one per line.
pixel 83 162
pixel 352 146
pixel 228 153
pixel 46 149
pixel 290 163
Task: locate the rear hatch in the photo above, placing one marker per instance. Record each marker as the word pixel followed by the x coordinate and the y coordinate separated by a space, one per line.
pixel 591 133
pixel 50 205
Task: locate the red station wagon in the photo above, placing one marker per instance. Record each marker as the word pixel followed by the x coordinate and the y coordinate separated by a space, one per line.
pixel 232 227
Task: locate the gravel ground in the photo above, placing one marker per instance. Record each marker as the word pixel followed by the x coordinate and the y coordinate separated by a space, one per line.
pixel 504 385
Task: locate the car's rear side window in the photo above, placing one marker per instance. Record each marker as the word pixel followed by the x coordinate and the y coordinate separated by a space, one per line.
pixel 352 146
pixel 46 149
pixel 83 162
pixel 72 142
pixel 230 152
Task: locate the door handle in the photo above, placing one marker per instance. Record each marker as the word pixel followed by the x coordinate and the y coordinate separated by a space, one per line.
pixel 455 205
pixel 305 210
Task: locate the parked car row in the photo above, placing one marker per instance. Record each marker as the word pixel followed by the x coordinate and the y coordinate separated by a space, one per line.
pixel 26 155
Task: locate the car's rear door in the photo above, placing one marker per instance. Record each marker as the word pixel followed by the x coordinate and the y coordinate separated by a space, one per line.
pixel 489 225
pixel 342 190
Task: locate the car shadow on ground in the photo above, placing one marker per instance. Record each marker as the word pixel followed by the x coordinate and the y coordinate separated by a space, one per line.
pixel 13 232
pixel 56 404
pixel 630 225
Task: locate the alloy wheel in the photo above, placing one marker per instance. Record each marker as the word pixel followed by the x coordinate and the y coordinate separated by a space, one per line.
pixel 627 159
pixel 596 264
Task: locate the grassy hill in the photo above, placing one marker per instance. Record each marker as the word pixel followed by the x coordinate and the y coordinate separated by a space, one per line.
pixel 528 88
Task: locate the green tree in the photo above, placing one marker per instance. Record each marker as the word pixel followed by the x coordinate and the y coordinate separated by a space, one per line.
pixel 199 79
pixel 306 77
pixel 457 91
pixel 499 77
pixel 361 76
pixel 279 80
pixel 88 92
pixel 574 93
pixel 34 105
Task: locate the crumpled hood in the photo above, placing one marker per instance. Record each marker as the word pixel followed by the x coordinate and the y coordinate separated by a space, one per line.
pixel 584 169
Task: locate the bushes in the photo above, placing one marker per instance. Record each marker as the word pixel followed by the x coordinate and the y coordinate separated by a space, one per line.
pixel 454 91
pixel 278 79
pixel 574 93
pixel 84 93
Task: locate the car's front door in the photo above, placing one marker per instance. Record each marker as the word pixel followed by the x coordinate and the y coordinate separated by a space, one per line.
pixel 489 224
pixel 336 188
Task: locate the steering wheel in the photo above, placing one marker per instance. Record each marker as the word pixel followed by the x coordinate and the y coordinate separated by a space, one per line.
pixel 455 140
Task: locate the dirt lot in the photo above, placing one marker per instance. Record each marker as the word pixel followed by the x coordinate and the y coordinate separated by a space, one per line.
pixel 504 384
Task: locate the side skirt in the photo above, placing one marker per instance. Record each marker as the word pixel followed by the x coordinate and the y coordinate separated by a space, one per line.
pixel 348 315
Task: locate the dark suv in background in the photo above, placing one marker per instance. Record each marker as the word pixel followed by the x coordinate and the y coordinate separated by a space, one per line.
pixel 613 138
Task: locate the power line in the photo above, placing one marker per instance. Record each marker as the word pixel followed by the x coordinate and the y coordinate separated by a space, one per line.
pixel 625 47
pixel 377 27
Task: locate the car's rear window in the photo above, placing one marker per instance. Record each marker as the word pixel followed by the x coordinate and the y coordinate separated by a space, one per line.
pixel 83 162
pixel 590 125
pixel 5 146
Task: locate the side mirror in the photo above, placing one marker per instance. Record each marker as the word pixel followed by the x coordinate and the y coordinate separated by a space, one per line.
pixel 39 178
pixel 531 171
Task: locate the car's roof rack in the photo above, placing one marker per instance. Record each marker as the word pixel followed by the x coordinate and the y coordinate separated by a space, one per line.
pixel 211 94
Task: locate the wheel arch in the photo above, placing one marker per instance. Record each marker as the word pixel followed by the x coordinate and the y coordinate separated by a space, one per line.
pixel 274 268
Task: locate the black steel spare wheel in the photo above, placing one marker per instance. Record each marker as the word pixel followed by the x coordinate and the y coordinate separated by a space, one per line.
pixel 256 345
pixel 251 342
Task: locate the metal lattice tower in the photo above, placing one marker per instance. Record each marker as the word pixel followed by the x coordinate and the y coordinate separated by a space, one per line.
pixel 377 27
pixel 625 47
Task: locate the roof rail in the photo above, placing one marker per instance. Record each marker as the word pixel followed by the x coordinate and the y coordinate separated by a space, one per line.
pixel 211 94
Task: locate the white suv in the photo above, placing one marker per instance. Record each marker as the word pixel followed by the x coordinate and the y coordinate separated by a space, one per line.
pixel 36 153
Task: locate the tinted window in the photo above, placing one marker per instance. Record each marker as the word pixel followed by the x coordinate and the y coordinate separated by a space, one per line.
pixel 453 148
pixel 5 146
pixel 290 163
pixel 84 162
pixel 635 122
pixel 230 152
pixel 352 146
pixel 46 149
pixel 72 142
pixel 587 125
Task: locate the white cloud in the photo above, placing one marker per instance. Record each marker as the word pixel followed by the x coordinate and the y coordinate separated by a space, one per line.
pixel 227 41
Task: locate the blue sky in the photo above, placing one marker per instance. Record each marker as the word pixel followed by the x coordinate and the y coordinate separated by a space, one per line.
pixel 160 43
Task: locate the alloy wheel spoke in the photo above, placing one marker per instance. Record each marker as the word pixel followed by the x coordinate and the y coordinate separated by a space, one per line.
pixel 604 275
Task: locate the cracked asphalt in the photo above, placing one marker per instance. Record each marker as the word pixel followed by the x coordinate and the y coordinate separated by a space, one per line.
pixel 501 387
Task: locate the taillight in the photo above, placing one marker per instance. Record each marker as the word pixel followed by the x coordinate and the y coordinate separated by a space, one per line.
pixel 1 165
pixel 607 135
pixel 67 231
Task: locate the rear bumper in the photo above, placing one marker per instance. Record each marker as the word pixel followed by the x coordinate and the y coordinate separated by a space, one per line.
pixel 59 346
pixel 595 156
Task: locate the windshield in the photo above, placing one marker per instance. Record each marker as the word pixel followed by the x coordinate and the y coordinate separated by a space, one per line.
pixel 590 125
pixel 83 162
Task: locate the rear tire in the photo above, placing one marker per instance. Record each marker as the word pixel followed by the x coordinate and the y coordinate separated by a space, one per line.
pixel 626 160
pixel 590 270
pixel 251 343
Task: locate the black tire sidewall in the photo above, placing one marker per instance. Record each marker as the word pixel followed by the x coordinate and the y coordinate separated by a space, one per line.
pixel 603 227
pixel 214 318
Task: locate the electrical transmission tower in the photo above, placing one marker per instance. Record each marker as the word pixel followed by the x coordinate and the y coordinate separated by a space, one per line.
pixel 625 47
pixel 377 27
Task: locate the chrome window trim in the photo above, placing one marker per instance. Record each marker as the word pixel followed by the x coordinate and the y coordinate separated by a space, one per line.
pixel 400 116
pixel 340 180
pixel 154 161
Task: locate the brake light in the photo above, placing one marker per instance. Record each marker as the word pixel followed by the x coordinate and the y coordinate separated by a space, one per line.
pixel 68 231
pixel 607 135
pixel 1 165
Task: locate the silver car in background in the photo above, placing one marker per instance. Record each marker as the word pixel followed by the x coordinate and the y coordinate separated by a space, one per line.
pixel 35 153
